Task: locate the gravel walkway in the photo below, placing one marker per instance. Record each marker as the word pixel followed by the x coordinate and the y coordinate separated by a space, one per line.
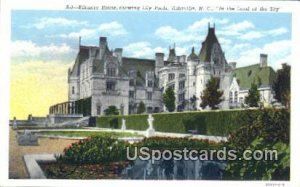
pixel 46 145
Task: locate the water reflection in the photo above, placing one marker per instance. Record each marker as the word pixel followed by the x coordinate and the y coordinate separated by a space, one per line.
pixel 174 170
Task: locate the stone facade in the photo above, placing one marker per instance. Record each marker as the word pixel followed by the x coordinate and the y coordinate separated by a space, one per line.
pixel 113 80
pixel 108 78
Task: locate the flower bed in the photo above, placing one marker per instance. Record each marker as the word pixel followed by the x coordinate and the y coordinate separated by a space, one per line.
pixel 83 171
pixel 105 157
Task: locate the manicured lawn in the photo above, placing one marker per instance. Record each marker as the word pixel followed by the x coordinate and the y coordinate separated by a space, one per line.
pixel 90 133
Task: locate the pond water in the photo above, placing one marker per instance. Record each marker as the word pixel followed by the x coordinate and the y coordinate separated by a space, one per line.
pixel 174 170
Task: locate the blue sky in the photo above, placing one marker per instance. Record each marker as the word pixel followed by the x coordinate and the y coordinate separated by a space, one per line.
pixel 53 35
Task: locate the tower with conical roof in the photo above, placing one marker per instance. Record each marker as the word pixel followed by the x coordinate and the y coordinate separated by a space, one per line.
pixel 212 63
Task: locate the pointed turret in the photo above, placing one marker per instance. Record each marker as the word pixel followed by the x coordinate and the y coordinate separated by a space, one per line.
pixel 172 55
pixel 207 45
pixel 193 56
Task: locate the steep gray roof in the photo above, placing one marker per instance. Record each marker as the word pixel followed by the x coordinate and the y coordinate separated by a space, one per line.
pixel 206 49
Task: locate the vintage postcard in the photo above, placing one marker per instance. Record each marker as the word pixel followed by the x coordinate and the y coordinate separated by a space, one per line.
pixel 109 92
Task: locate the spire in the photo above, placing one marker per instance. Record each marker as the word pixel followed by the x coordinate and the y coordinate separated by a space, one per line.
pixel 193 56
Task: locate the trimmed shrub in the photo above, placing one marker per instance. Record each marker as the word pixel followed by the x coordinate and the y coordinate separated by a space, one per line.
pixel 114 123
pixel 218 123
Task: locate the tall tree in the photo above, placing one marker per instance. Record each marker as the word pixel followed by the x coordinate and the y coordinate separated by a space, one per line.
pixel 253 96
pixel 211 95
pixel 111 110
pixel 169 99
pixel 282 85
pixel 141 108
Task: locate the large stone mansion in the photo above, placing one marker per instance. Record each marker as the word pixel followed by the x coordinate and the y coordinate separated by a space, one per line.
pixel 101 77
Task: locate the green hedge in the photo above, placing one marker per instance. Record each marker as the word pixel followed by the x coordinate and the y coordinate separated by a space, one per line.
pixel 218 123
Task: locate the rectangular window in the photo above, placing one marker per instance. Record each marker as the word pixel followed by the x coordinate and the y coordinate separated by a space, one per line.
pixel 171 76
pixel 131 82
pixel 236 96
pixel 111 71
pixel 110 86
pixel 181 75
pixel 73 90
pixel 149 95
pixel 131 94
pixel 99 110
pixel 181 97
pixel 230 97
pixel 181 85
pixel 150 83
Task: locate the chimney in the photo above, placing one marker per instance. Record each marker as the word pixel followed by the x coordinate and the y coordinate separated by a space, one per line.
pixel 263 60
pixel 159 61
pixel 102 46
pixel 118 53
pixel 182 59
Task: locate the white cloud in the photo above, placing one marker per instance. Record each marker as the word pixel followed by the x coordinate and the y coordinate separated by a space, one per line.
pixel 240 46
pixel 252 35
pixel 49 22
pixel 109 29
pixel 113 28
pixel 21 48
pixel 189 34
pixel 260 34
pixel 171 34
pixel 278 31
pixel 85 33
pixel 224 41
pixel 236 28
pixel 146 50
pixel 278 52
pixel 204 23
pixel 139 49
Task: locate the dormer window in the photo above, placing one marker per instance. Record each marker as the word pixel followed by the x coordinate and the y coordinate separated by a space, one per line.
pixel 111 71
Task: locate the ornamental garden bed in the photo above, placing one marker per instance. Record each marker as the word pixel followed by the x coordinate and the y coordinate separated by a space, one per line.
pixel 104 157
pixel 83 171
